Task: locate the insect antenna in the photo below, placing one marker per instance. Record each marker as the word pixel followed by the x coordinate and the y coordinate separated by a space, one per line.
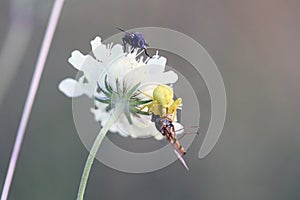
pixel 189 127
pixel 187 133
pixel 121 30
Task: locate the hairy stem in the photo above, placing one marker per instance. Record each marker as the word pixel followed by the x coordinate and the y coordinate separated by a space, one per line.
pixel 87 168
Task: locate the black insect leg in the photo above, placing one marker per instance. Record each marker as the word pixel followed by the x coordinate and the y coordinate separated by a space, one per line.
pixel 132 49
pixel 147 53
pixel 124 44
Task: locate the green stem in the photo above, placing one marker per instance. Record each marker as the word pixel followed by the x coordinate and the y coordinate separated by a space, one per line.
pixel 87 168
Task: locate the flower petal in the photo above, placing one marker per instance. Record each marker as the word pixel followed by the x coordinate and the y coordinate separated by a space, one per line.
pixel 77 59
pixel 140 128
pixel 147 74
pixel 165 78
pixel 100 50
pixel 157 61
pixel 158 136
pixel 87 64
pixel 71 88
pixel 119 68
pixel 116 51
pixel 102 116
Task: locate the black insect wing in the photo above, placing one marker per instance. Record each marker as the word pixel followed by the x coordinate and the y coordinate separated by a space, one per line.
pixel 139 40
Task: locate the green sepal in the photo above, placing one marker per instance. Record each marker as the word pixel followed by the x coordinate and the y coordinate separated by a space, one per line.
pixel 132 90
pixel 105 92
pixel 141 112
pixel 107 86
pixel 108 108
pixel 128 116
pixel 106 101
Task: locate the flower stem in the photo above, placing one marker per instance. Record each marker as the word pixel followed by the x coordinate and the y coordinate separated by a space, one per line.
pixel 87 168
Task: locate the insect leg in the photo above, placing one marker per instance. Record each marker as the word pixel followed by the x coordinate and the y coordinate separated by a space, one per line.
pixel 173 130
pixel 147 53
pixel 132 49
pixel 186 133
pixel 124 44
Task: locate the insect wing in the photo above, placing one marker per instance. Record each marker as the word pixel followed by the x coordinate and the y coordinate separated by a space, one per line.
pixel 179 129
pixel 181 159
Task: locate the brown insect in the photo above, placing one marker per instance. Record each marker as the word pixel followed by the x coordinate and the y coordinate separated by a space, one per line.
pixel 166 127
pixel 163 109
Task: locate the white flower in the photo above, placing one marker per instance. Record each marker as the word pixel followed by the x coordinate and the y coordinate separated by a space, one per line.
pixel 110 60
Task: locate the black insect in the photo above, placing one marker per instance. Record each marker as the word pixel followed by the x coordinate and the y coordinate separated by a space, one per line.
pixel 135 40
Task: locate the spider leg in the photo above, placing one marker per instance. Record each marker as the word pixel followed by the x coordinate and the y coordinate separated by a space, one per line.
pixel 144 106
pixel 172 110
pixel 145 94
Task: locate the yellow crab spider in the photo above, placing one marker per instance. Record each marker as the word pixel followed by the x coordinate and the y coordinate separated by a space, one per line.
pixel 162 102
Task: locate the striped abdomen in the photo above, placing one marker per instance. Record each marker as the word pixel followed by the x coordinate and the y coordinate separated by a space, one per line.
pixel 176 144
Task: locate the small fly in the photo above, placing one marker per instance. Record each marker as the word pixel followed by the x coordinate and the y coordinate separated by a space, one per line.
pixel 135 40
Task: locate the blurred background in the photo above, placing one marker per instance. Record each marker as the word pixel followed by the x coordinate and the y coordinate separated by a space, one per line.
pixel 254 43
